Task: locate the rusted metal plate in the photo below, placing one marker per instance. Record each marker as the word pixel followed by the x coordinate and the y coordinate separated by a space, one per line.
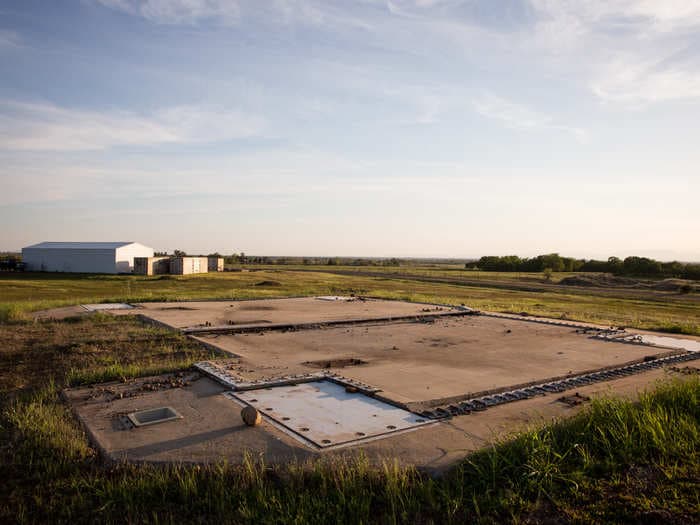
pixel 327 415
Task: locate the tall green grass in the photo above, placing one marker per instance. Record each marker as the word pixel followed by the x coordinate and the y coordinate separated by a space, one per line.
pixel 12 312
pixel 123 372
pixel 616 461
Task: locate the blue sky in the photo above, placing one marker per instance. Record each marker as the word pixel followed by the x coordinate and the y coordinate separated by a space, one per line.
pixel 451 128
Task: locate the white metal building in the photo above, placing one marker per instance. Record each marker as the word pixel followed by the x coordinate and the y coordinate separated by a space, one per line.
pixel 84 257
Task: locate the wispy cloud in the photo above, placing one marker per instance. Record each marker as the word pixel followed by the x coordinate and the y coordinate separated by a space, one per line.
pixel 43 126
pixel 178 11
pixel 234 12
pixel 518 116
pixel 629 52
pixel 640 15
pixel 634 52
pixel 638 83
pixel 9 38
pixel 284 175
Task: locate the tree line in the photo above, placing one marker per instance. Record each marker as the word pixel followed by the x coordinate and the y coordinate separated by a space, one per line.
pixel 242 258
pixel 630 266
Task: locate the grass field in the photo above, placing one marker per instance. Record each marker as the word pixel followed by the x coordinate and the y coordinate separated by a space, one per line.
pixel 23 293
pixel 617 462
pixel 442 270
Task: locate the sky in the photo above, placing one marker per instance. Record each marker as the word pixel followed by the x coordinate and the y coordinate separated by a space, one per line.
pixel 396 128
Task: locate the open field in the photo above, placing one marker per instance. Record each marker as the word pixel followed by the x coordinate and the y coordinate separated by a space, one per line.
pixel 653 290
pixel 679 313
pixel 615 461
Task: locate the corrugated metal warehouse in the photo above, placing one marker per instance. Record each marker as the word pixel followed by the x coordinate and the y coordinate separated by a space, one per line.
pixel 84 257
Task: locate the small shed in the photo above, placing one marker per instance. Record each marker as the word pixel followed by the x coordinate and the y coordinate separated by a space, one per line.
pixel 188 265
pixel 151 265
pixel 216 264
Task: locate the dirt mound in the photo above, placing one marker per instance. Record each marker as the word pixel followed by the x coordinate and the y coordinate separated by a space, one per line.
pixel 674 285
pixel 268 283
pixel 576 280
pixel 600 280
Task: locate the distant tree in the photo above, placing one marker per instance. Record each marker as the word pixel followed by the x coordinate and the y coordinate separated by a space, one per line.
pixel 615 265
pixel 179 253
pixel 641 266
pixel 571 264
pixel 633 265
pixel 673 269
pixel 594 266
pixel 332 262
pixel 692 271
pixel 552 261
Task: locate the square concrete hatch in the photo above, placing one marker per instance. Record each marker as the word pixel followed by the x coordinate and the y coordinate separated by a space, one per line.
pixel 153 416
pixel 327 415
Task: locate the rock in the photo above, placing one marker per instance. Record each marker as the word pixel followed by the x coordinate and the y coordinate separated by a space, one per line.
pixel 251 416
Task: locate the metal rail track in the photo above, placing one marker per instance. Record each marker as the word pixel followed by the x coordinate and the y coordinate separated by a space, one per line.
pixel 254 328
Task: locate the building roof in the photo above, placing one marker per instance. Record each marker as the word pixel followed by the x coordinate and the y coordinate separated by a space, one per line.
pixel 80 245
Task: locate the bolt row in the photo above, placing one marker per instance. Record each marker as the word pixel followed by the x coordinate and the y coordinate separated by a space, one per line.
pixel 482 403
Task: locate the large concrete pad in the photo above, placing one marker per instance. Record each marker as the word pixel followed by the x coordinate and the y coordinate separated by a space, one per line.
pixel 277 311
pixel 414 362
pixel 212 430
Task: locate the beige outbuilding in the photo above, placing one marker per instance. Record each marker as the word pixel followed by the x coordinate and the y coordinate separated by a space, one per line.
pixel 188 265
pixel 151 265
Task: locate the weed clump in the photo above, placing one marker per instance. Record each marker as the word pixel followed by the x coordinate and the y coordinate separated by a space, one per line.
pixel 11 312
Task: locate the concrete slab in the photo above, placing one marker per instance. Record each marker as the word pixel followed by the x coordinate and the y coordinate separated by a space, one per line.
pixel 211 428
pixel 417 361
pixel 277 311
pixel 413 361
